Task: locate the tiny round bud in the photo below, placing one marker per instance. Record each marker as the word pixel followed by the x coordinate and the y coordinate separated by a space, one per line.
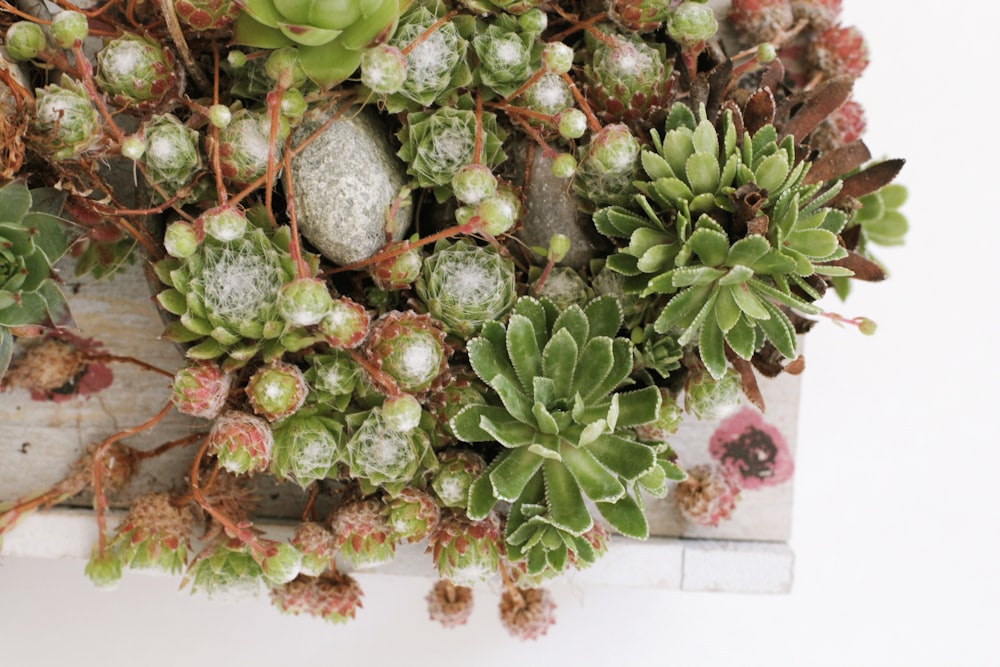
pixel 473 183
pixel 201 390
pixel 383 69
pixel 557 57
pixel 345 324
pixel 558 247
pixel 180 239
pixel 402 412
pixel 224 223
pixel 219 115
pixel 691 24
pixel 564 166
pixel 25 40
pixel 304 301
pixel 572 123
pixel 133 147
pixel 68 27
pixel 236 59
pixel 397 272
pixel 283 66
pixel 283 565
pixel 766 53
pixel 104 569
pixel 277 390
pixel 293 105
pixel 534 21
pixel 866 326
pixel 496 216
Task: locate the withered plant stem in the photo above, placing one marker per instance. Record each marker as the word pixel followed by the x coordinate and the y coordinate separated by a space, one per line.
pixel 100 500
pixel 177 36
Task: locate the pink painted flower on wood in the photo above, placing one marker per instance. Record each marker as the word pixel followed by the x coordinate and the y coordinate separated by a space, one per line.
pixel 753 451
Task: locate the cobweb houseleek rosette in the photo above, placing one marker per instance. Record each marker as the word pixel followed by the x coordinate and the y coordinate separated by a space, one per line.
pixel 565 428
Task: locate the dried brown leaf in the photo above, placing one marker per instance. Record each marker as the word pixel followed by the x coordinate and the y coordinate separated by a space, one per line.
pixel 836 163
pixel 819 104
pixel 868 181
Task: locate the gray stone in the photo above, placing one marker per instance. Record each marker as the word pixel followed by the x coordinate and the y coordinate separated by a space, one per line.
pixel 551 207
pixel 345 182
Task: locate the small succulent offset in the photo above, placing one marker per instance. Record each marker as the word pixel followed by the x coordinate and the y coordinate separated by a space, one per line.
pixel 564 422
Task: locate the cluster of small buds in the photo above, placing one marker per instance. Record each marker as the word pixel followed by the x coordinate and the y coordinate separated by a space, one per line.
pixel 201 390
pixel 277 390
pixel 527 613
pixel 241 442
pixel 709 399
pixel 206 15
pixel 707 496
pixel 448 604
pixel 362 532
pixel 304 302
pixel 334 597
pixel 154 533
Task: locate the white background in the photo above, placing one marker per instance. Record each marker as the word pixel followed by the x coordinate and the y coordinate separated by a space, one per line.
pixel 896 517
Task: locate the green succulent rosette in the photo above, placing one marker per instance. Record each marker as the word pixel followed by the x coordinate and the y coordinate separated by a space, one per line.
pixel 508 55
pixel 330 35
pixel 32 238
pixel 565 426
pixel 725 284
pixel 225 297
pixel 66 123
pixel 135 71
pixel 436 144
pixel 465 285
pixel 171 157
pixel 380 455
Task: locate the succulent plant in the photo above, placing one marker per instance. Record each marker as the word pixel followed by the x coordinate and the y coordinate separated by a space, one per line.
pixel 241 442
pixel 171 152
pixel 506 55
pixel 136 71
pixel 435 145
pixel 307 446
pixel 333 597
pixel 225 568
pixel 225 295
pixel 564 425
pixel 32 238
pixel 466 551
pixel 639 15
pixel 436 61
pixel 362 533
pixel 409 348
pixel 527 613
pixel 243 145
pixel 627 80
pixel 66 124
pixel 465 285
pixel 277 390
pixel 154 533
pixel 608 165
pixel 317 546
pixel 413 514
pixel 206 15
pixel 379 455
pixel 448 604
pixel 708 495
pixel 721 293
pixel 330 36
pixel 201 390
pixel 455 474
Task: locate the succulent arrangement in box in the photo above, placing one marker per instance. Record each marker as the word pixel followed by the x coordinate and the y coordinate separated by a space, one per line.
pixel 348 209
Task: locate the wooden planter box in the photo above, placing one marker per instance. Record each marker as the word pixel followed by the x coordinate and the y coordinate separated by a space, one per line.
pixel 39 440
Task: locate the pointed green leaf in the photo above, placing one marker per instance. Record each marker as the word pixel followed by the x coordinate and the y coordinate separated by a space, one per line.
pixel 681 307
pixel 512 474
pixel 779 330
pixel 575 321
pixel 727 311
pixel 712 349
pixel 567 509
pixel 523 350
pixel 50 234
pixel 696 275
pixel 594 479
pixel 621 350
pixel 711 246
pixel 546 423
pixel 490 362
pixel 595 363
pixel 207 349
pixel 6 341
pixel 623 263
pixel 703 173
pixel 604 316
pixel 559 362
pixel 742 338
pixel 748 302
pixel 638 407
pixel 626 517
pixel 747 250
pixel 813 243
pixel 467 425
pixel 482 497
pixel 628 459
pixel 535 311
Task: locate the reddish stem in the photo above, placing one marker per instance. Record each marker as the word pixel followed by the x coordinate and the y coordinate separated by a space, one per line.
pixel 100 358
pixel 294 244
pixel 592 122
pixel 167 446
pixel 100 500
pixel 397 249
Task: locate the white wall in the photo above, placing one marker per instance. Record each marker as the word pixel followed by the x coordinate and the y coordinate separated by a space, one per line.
pixel 895 519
